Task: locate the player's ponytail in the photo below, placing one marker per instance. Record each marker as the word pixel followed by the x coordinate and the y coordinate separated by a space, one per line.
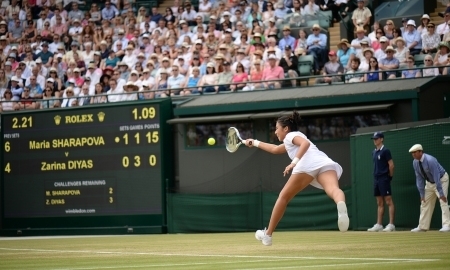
pixel 292 121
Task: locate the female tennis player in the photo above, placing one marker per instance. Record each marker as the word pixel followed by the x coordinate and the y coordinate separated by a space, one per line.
pixel 309 166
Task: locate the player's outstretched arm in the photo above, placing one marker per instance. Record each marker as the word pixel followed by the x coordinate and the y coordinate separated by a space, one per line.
pixel 268 147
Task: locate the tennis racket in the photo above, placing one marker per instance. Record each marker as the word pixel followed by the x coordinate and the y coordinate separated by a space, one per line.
pixel 234 140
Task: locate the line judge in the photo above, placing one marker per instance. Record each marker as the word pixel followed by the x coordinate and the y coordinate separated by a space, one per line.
pixel 432 183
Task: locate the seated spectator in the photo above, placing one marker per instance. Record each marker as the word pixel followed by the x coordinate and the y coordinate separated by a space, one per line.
pixel 191 83
pixel 402 52
pixel 397 33
pixel 412 38
pixel 175 81
pixel 7 103
pixel 381 52
pixel 83 97
pixel 272 73
pixel 224 78
pixel 424 21
pixel 301 41
pixel 389 29
pixel 208 80
pixel 389 63
pixel 373 35
pixel 16 89
pixel 411 72
pixel 444 27
pixel 404 24
pixel 364 45
pixel 430 40
pixel 374 71
pixel 113 94
pixel 255 77
pixel 130 90
pixel 332 67
pixel 345 53
pixel 317 43
pixel 350 76
pixel 27 102
pixel 70 99
pixel 376 44
pixel 289 63
pixel 311 8
pixel 239 78
pixel 441 57
pixel 356 43
pixel 48 100
pixel 330 5
pixel 365 60
pixel 287 39
pixel 430 70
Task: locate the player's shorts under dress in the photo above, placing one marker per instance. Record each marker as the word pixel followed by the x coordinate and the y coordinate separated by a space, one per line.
pixel 313 161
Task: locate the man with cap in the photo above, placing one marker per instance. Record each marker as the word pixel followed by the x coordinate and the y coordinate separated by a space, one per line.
pixel 412 38
pixel 16 89
pixel 380 53
pixel 76 29
pixel 94 73
pixel 45 55
pixel 362 13
pixel 184 31
pixel 332 67
pixel 317 47
pixel 272 73
pixel 287 39
pixel 289 63
pixel 36 91
pixel 360 36
pixel 120 39
pixel 389 63
pixel 224 78
pixel 383 171
pixel 432 183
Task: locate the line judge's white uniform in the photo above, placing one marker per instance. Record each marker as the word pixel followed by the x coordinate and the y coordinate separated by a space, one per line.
pixel 312 160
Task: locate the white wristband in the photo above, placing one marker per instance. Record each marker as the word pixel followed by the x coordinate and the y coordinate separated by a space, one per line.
pixel 295 160
pixel 256 143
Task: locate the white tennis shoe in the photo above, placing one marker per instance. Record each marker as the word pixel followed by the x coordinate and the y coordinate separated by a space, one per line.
pixel 263 237
pixel 445 229
pixel 376 228
pixel 343 220
pixel 418 230
pixel 389 228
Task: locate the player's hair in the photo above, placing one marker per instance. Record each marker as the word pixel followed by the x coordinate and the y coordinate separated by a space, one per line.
pixel 292 121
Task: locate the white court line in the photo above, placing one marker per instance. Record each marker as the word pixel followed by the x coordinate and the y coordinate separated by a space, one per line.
pixel 165 265
pixel 324 265
pixel 216 255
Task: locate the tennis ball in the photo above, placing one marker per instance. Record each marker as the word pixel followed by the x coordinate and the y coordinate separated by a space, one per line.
pixel 211 141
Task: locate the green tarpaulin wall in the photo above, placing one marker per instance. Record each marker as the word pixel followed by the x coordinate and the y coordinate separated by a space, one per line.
pixel 249 212
pixel 405 195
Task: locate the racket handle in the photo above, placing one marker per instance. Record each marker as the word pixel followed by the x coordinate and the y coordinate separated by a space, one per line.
pixel 245 142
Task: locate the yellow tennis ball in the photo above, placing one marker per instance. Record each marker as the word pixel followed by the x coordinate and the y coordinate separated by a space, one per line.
pixel 211 141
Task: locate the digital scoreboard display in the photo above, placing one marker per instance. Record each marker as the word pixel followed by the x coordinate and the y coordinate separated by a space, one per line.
pixel 100 161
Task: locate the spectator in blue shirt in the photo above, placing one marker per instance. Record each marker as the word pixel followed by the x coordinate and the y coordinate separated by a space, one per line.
pixel 45 55
pixel 389 63
pixel 345 53
pixel 412 38
pixel 432 183
pixel 287 39
pixel 317 47
pixel 155 15
pixel 109 11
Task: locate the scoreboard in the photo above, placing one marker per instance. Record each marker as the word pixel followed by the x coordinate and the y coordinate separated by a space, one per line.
pixel 92 166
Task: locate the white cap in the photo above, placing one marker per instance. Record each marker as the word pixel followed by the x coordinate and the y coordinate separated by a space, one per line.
pixel 384 39
pixel 416 147
pixel 411 22
pixel 76 70
pixel 59 55
pixel 15 79
pixel 425 16
pixel 38 61
pixel 50 80
pixel 226 13
pixel 273 56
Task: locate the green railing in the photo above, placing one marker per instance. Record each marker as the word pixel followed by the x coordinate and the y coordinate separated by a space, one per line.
pixel 285 84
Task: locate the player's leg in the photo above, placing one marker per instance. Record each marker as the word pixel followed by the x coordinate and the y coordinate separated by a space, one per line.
pixel 295 184
pixel 329 181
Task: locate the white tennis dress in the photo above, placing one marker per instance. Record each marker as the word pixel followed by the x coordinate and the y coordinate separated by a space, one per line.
pixel 312 161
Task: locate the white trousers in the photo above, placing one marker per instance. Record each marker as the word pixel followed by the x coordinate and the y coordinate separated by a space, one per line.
pixel 427 207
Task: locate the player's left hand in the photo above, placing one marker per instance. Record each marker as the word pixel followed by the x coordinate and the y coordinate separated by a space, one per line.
pixel 288 169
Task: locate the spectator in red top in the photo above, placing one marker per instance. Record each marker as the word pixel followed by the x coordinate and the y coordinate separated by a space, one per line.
pixel 272 72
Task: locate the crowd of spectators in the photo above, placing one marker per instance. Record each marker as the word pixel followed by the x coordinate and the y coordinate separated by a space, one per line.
pixel 53 54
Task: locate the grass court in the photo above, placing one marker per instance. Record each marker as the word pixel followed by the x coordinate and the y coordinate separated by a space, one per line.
pixel 290 250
